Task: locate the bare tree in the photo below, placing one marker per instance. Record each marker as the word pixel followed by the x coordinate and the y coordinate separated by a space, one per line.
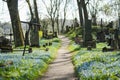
pixel 16 25
pixel 94 8
pixel 52 11
pixel 36 12
pixel 64 12
pixel 80 12
pixel 58 3
pixel 30 8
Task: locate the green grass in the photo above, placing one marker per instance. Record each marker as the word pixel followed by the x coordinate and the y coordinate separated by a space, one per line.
pixel 95 64
pixel 30 66
pixel 71 34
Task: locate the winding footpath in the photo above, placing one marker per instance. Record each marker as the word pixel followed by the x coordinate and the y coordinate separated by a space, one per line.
pixel 61 68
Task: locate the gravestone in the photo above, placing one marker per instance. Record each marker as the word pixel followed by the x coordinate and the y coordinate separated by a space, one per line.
pixel 34 34
pixel 55 35
pixel 101 36
pixel 87 37
pixel 5 45
pixel 67 28
pixel 45 32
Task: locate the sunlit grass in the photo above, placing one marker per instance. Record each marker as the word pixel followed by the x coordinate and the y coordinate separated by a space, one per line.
pixel 30 66
pixel 95 64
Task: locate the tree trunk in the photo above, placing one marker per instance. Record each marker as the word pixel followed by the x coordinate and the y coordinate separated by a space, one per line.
pixel 53 25
pixel 58 25
pixel 84 10
pixel 94 20
pixel 16 25
pixel 101 24
pixel 88 30
pixel 80 12
pixel 36 13
pixel 34 35
pixel 64 20
pixel 87 25
pixel 32 16
pixel 30 8
pixel 119 23
pixel 63 24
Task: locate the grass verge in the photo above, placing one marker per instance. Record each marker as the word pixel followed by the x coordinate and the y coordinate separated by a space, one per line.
pixel 28 67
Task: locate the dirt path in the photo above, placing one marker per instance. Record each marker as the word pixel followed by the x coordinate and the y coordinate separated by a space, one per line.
pixel 61 68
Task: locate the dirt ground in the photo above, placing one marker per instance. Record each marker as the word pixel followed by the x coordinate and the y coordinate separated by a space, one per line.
pixel 61 68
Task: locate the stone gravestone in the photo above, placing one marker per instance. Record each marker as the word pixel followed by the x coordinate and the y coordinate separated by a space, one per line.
pixel 34 35
pixel 116 41
pixel 87 37
pixel 45 32
pixel 55 34
pixel 101 36
pixel 67 28
pixel 5 45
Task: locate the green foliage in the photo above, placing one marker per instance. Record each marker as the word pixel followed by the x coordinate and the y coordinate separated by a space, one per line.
pixel 95 64
pixel 27 67
pixel 56 40
pixel 73 47
pixel 95 29
pixel 71 34
pixel 79 31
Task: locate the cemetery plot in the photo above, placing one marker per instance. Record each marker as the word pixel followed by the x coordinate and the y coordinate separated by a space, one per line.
pixel 30 66
pixel 95 64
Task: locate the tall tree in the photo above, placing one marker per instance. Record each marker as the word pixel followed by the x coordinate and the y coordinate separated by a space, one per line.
pixel 58 3
pixel 16 25
pixel 80 12
pixel 34 35
pixel 52 11
pixel 36 12
pixel 64 13
pixel 30 8
pixel 94 8
pixel 86 22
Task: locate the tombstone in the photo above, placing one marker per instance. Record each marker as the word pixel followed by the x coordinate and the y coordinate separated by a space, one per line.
pixel 113 39
pixel 110 25
pixel 89 48
pixel 105 49
pixel 75 23
pixel 101 36
pixel 91 43
pixel 50 35
pixel 27 41
pixel 50 43
pixel 5 45
pixel 34 34
pixel 45 32
pixel 30 50
pixel 116 33
pixel 77 39
pixel 87 33
pixel 55 35
pixel 67 28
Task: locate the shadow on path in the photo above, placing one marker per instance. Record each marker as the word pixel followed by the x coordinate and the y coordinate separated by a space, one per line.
pixel 61 68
